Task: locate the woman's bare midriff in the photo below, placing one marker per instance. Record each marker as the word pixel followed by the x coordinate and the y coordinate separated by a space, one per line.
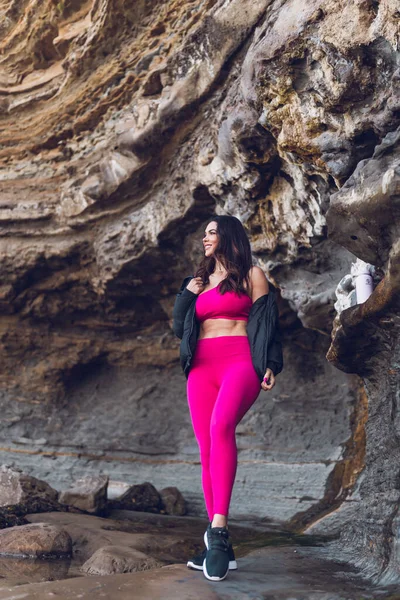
pixel 218 327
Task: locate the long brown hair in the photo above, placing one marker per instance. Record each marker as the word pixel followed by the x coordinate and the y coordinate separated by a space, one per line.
pixel 233 252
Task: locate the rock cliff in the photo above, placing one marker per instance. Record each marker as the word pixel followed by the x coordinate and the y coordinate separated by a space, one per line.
pixel 123 127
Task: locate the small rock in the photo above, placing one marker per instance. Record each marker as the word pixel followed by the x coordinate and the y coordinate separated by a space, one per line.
pixel 118 559
pixel 115 489
pixel 143 497
pixel 173 501
pixel 87 493
pixel 36 540
pixel 17 488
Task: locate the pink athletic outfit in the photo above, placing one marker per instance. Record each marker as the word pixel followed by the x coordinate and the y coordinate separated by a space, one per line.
pixel 222 385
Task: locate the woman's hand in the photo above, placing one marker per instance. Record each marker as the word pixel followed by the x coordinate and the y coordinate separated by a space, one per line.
pixel 268 381
pixel 195 285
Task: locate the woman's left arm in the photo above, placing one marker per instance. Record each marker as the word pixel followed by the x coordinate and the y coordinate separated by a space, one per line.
pixel 259 283
pixel 260 287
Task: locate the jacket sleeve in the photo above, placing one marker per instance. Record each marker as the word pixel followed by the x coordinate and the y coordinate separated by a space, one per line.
pixel 275 356
pixel 183 300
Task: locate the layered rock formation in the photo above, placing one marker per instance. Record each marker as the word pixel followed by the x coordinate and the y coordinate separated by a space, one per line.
pixel 123 126
pixel 366 341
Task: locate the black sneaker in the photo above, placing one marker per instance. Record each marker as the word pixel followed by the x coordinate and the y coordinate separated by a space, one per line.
pixel 197 561
pixel 232 560
pixel 216 562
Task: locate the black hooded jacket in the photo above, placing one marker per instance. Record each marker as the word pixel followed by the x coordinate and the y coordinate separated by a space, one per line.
pixel 262 330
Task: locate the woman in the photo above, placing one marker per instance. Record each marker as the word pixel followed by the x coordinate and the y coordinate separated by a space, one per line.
pixel 227 318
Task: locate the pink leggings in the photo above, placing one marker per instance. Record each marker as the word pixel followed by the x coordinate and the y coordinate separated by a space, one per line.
pixel 221 387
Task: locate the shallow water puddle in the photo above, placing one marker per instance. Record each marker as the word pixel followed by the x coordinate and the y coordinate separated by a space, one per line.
pixel 19 571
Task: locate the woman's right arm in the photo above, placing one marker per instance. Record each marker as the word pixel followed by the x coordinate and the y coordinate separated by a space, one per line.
pixel 183 301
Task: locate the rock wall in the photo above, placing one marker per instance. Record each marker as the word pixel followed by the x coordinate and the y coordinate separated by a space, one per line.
pixel 122 128
pixel 366 340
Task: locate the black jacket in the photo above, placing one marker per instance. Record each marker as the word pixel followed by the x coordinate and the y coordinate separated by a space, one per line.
pixel 262 330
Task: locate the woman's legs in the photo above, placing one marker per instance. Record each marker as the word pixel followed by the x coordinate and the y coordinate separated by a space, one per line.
pixel 222 386
pixel 239 390
pixel 202 393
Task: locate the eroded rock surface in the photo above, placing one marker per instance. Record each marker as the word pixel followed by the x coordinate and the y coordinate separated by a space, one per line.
pixel 260 112
pixel 365 340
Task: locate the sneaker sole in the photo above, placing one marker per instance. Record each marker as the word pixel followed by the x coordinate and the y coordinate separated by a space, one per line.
pixel 205 568
pixel 191 565
pixel 213 578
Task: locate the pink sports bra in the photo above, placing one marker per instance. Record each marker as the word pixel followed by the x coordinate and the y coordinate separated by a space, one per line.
pixel 213 305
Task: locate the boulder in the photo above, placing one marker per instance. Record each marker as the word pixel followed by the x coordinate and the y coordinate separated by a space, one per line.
pixel 173 501
pixel 87 493
pixel 118 559
pixel 36 540
pixel 25 493
pixel 143 497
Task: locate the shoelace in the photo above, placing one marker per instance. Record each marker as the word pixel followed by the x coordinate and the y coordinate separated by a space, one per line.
pixel 219 541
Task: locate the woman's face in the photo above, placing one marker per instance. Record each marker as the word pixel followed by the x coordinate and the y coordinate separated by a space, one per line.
pixel 210 239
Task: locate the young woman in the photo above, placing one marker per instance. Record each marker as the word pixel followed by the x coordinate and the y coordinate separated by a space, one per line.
pixel 227 318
